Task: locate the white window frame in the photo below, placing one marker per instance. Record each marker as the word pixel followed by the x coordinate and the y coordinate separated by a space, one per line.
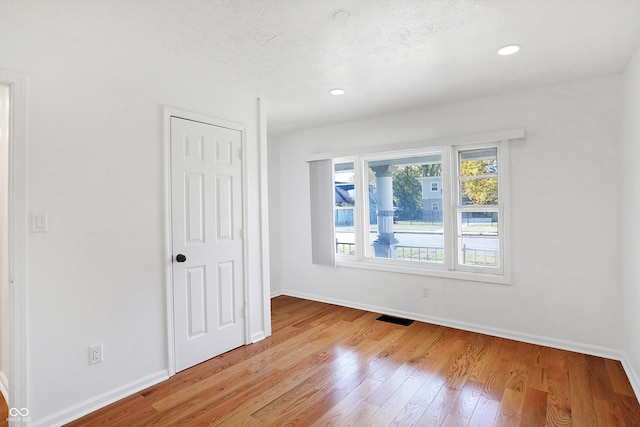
pixel 501 208
pixel 437 187
pixel 448 147
pixel 450 208
pixel 363 236
pixel 435 207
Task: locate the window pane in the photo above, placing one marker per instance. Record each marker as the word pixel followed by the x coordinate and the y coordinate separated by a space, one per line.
pixel 478 177
pixel 345 203
pixel 405 208
pixel 479 191
pixel 479 162
pixel 478 242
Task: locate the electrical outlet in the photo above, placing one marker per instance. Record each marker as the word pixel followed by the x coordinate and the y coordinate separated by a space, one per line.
pixel 95 354
pixel 425 292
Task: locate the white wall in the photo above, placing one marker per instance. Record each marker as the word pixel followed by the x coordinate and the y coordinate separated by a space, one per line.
pixel 277 189
pixel 96 166
pixel 4 240
pixel 629 224
pixel 565 289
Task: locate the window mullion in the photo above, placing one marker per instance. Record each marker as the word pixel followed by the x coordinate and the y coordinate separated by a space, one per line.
pixel 469 177
pixel 504 198
pixel 449 195
pixel 362 194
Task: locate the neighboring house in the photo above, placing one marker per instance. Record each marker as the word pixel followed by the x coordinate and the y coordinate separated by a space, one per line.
pixel 431 198
pixel 345 205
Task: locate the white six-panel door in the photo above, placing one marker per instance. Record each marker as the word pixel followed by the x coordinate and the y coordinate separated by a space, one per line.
pixel 206 210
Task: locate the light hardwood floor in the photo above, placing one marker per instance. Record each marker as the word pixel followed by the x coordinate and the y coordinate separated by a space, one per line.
pixel 4 412
pixel 326 365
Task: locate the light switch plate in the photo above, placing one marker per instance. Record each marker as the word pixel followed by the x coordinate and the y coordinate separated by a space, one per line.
pixel 39 222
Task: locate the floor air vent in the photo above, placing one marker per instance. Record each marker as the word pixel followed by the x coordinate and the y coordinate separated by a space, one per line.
pixel 395 320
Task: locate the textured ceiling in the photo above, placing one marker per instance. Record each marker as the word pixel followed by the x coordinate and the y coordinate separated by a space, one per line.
pixel 388 55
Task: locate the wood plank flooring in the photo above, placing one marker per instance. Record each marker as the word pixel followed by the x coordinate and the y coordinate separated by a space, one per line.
pixel 327 365
pixel 4 412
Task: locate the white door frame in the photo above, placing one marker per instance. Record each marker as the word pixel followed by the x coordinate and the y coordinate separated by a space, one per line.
pixel 187 115
pixel 18 331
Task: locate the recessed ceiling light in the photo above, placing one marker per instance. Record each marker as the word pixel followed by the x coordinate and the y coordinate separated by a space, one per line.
pixel 337 91
pixel 509 49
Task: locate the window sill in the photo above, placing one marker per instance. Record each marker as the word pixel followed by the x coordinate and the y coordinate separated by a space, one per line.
pixel 500 279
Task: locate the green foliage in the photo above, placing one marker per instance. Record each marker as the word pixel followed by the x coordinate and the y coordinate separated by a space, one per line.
pixel 407 192
pixel 431 169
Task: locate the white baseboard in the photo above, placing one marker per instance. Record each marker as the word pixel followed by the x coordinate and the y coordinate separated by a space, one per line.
pixel 497 332
pixel 277 294
pixel 632 374
pixel 83 408
pixel 4 386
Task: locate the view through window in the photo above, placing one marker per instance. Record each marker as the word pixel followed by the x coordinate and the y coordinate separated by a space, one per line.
pixel 401 208
pixel 345 203
pixel 478 214
pixel 402 222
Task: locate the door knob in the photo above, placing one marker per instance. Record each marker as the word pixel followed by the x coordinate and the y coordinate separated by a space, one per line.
pixel 181 258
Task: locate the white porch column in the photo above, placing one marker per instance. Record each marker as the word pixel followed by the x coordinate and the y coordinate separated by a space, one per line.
pixel 385 245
